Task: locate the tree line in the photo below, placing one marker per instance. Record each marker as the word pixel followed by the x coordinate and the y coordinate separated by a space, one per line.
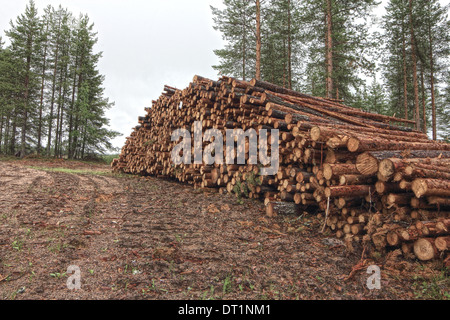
pixel 338 49
pixel 51 96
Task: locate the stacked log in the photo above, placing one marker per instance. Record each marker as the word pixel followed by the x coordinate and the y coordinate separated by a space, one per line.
pixel 372 177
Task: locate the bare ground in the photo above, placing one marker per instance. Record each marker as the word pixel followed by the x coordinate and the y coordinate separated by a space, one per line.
pixel 146 238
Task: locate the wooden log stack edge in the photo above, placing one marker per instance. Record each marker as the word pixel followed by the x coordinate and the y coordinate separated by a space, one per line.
pixel 376 180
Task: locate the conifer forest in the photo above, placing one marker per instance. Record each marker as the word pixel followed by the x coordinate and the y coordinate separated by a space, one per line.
pixel 272 150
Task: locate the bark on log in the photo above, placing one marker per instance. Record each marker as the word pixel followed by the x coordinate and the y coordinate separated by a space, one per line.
pixel 368 162
pixel 331 171
pixel 362 144
pixel 351 190
pixel 431 187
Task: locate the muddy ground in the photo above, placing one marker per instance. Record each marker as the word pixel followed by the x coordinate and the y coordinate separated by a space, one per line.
pixel 146 238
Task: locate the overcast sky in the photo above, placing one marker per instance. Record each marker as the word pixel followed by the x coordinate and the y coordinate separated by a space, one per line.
pixel 146 44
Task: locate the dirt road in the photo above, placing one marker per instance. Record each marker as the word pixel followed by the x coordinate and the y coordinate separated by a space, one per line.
pixel 145 238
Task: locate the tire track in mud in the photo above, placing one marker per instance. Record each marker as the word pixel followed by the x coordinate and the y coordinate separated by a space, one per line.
pixel 52 224
pixel 135 234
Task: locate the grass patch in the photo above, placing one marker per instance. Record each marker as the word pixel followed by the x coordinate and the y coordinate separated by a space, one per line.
pixel 74 171
pixel 99 159
pixel 434 288
pixel 108 158
pixel 8 158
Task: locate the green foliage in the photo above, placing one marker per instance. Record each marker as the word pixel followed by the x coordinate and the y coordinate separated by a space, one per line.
pixel 237 24
pixel 352 45
pixel 227 284
pixel 363 48
pixel 427 23
pixel 434 288
pixel 242 188
pixel 17 245
pixel 108 158
pixel 51 92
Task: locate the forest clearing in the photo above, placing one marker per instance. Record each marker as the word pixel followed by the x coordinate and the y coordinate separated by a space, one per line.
pixel 148 238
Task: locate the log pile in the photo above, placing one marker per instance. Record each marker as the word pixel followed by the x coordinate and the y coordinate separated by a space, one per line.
pixel 374 179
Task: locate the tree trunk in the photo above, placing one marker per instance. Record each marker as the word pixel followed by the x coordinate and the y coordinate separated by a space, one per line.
pixel 6 135
pixel 332 171
pixel 52 103
pixel 414 67
pixel 405 78
pixel 258 40
pixel 329 51
pixel 366 143
pixel 12 145
pixel 289 46
pixel 351 190
pixel 26 97
pixel 433 102
pixel 77 118
pixel 424 111
pixel 244 49
pixel 2 121
pixel 58 116
pixel 41 105
pixel 72 109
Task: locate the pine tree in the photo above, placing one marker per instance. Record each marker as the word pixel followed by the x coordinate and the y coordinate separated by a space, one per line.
pixel 63 85
pixel 237 24
pixel 10 92
pixel 397 62
pixel 24 36
pixel 45 43
pixel 435 49
pixel 59 20
pixel 282 50
pixel 87 121
pixel 50 86
pixel 338 39
pixel 443 112
pixel 417 43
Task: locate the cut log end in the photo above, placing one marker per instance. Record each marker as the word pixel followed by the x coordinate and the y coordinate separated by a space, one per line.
pixel 366 164
pixel 424 249
pixel 392 238
pixel 442 243
pixel 315 133
pixel 386 168
pixel 353 145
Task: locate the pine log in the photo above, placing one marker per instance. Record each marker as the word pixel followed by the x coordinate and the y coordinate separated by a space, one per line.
pixel 425 249
pixel 442 243
pixel 387 187
pixel 366 143
pixel 424 171
pixel 431 187
pixel 352 179
pixel 351 190
pixel 439 201
pixel 331 171
pixel 367 162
